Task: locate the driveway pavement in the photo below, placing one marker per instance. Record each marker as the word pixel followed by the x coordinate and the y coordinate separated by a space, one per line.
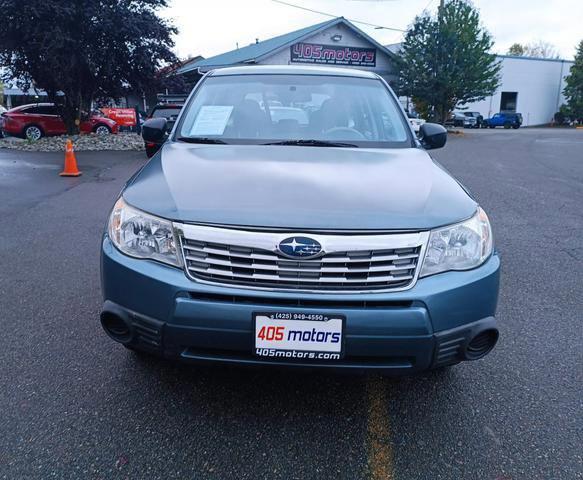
pixel 75 405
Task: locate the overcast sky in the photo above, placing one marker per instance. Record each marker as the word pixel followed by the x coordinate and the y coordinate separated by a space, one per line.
pixel 210 27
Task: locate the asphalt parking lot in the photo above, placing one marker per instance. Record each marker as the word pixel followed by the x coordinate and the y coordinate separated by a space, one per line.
pixel 75 405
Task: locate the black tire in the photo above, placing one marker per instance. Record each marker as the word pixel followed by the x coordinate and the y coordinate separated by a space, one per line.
pixel 491 126
pixel 100 127
pixel 33 132
pixel 515 127
pixel 507 125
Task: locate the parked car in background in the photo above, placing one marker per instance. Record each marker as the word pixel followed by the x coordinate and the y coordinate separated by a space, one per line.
pixel 415 121
pixel 2 111
pixel 337 243
pixel 506 120
pixel 42 119
pixel 478 116
pixel 163 110
pixel 460 119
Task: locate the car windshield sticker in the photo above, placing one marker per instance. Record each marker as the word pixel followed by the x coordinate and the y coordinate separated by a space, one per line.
pixel 211 120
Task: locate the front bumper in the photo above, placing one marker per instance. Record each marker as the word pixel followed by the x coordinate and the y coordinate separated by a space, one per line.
pixel 427 326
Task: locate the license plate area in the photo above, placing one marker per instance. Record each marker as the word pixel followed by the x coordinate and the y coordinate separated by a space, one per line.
pixel 298 336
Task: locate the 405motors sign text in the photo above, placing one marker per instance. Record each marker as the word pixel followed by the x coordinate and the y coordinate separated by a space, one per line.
pixel 298 335
pixel 333 55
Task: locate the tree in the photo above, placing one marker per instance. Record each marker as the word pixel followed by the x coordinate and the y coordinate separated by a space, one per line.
pixel 541 49
pixel 516 50
pixel 574 89
pixel 446 60
pixel 538 49
pixel 84 49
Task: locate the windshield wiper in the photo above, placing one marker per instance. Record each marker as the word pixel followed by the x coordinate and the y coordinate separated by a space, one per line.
pixel 313 143
pixel 202 140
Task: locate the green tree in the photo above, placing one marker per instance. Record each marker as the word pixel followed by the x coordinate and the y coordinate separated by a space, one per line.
pixel 84 49
pixel 446 60
pixel 517 50
pixel 574 89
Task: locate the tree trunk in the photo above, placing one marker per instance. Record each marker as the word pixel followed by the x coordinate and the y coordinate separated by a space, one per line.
pixel 70 112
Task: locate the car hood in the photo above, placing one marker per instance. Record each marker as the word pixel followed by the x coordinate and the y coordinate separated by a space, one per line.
pixel 311 188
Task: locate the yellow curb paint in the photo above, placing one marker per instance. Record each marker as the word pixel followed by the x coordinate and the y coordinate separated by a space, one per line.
pixel 380 453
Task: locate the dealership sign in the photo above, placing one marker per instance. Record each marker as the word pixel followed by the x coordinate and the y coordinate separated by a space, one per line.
pixel 333 55
pixel 125 117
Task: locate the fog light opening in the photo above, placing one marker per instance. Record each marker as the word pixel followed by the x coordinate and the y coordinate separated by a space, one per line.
pixel 481 344
pixel 116 327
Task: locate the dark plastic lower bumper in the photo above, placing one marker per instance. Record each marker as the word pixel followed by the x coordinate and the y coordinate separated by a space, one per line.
pixel 387 353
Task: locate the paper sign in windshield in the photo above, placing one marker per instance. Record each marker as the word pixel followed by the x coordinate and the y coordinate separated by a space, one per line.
pixel 211 120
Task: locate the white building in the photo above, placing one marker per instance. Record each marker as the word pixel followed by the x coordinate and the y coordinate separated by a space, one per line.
pixel 530 86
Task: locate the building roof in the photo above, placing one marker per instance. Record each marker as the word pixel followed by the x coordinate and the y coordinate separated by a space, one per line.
pixel 522 57
pixel 397 47
pixel 294 70
pixel 257 51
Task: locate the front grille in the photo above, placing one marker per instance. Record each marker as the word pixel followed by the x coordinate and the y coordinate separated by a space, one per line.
pixel 391 268
pixel 299 302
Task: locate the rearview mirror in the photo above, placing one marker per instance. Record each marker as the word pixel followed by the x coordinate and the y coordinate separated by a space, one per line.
pixel 154 130
pixel 432 135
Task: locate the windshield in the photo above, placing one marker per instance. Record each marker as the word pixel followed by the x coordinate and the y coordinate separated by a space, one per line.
pixel 259 109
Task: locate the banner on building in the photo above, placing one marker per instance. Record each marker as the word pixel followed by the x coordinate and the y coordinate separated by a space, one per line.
pixel 125 117
pixel 333 55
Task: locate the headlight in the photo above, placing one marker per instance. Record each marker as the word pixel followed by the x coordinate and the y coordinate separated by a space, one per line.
pixel 142 235
pixel 461 246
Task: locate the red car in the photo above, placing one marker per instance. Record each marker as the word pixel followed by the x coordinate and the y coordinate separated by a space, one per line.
pixel 40 119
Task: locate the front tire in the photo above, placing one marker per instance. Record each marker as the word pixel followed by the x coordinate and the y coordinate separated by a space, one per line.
pixel 102 130
pixel 33 132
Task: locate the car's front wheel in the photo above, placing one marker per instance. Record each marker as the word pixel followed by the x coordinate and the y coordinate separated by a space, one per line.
pixel 33 132
pixel 515 126
pixel 102 130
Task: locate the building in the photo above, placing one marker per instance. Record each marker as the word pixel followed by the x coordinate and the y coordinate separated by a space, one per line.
pixel 530 86
pixel 12 96
pixel 336 42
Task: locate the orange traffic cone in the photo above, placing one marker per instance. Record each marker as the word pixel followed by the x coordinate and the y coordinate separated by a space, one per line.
pixel 71 169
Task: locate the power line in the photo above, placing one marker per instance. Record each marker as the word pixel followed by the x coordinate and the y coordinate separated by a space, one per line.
pixel 377 27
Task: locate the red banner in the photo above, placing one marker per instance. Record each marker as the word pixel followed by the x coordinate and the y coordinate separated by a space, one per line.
pixel 125 117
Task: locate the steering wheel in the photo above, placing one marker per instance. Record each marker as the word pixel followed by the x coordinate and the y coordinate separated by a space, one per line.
pixel 343 133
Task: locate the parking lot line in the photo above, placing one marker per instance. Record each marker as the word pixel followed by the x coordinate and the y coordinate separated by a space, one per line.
pixel 380 453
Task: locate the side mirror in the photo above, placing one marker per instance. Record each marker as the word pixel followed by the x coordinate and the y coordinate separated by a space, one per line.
pixel 432 135
pixel 154 130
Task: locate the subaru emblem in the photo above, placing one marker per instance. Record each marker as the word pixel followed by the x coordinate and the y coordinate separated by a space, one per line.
pixel 300 247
